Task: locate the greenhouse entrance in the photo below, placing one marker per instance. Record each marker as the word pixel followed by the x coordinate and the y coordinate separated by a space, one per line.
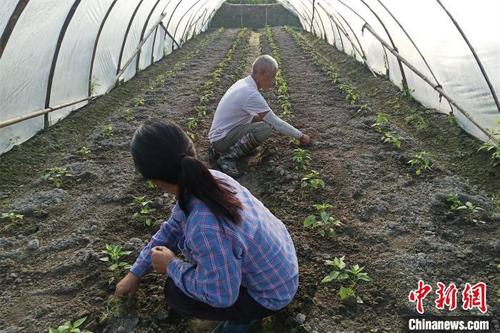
pixel 388 193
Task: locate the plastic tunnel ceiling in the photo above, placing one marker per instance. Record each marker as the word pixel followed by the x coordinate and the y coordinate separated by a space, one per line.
pixel 443 52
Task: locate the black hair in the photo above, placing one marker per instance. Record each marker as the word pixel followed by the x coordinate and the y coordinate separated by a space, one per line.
pixel 162 151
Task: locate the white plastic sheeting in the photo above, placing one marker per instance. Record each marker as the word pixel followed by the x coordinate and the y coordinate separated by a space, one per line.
pixel 97 39
pixel 430 42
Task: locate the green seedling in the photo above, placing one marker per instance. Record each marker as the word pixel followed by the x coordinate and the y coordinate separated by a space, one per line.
pixel 192 124
pixel 128 115
pixel 363 107
pixel 312 180
pixel 144 208
pixel 348 278
pixel 421 162
pixel 12 217
pixel 84 151
pixel 114 254
pixel 138 101
pixel 494 149
pixel 70 327
pixel 201 111
pixel 382 122
pixel 301 157
pixel 418 121
pixel 390 137
pixel 350 92
pixel 472 211
pixel 325 223
pixel 453 201
pixel 108 131
pixel 56 176
pixel 159 81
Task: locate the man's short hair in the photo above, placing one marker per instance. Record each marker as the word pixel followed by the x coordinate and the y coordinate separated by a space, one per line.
pixel 264 63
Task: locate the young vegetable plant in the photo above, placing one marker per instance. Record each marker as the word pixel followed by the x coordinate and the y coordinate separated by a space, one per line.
pixel 348 278
pixel 312 180
pixel 421 161
pixel 381 122
pixel 114 254
pixel 350 92
pixel 144 208
pixel 390 137
pixel 302 157
pixel 70 327
pixel 454 201
pixel 138 101
pixel 471 210
pixel 108 130
pixel 13 218
pixel 418 121
pixel 325 223
pixel 192 123
pixel 494 149
pixel 84 151
pixel 56 176
pixel 129 115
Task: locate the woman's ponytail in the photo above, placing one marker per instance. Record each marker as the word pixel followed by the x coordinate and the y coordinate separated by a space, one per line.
pixel 162 151
pixel 196 179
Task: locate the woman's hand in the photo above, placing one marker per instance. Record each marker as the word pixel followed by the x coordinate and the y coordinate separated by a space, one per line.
pixel 128 285
pixel 160 257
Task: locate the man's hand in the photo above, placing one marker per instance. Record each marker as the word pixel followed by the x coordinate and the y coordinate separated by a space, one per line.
pixel 160 257
pixel 304 140
pixel 128 285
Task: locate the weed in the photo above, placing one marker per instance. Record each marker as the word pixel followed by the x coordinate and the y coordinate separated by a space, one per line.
pixel 12 217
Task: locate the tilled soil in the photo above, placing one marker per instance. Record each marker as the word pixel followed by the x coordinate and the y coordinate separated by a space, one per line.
pixel 395 224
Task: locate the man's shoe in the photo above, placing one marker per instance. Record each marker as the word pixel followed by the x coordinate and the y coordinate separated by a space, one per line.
pixel 228 166
pixel 213 155
pixel 234 326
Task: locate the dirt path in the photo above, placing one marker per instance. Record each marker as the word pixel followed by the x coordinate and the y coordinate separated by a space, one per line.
pixel 51 266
